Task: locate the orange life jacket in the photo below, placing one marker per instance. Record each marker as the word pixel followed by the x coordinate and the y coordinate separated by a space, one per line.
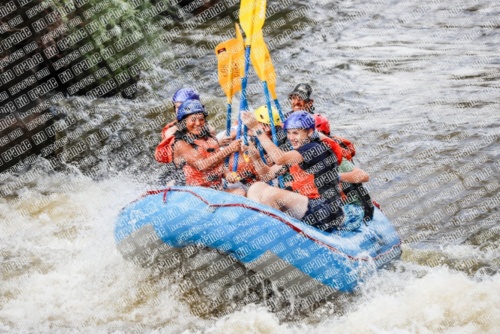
pixel 348 150
pixel 245 169
pixel 303 182
pixel 211 178
pixel 163 152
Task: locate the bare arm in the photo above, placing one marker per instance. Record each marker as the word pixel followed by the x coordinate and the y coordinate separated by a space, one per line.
pixel 357 175
pixel 275 153
pixel 264 171
pixel 193 158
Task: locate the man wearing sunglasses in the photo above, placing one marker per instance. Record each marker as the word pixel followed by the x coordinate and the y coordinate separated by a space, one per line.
pixel 300 98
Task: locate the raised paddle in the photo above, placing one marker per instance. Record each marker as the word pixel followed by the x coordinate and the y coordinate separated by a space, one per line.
pixel 229 75
pixel 240 60
pixel 259 61
pixel 252 16
pixel 265 68
pixel 241 53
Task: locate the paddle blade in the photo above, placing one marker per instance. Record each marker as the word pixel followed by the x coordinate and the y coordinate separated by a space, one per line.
pixel 258 55
pixel 271 79
pixel 261 61
pixel 240 50
pixel 228 68
pixel 252 17
pixel 269 70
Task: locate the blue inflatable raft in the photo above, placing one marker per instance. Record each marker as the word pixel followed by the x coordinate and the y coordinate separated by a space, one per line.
pixel 244 243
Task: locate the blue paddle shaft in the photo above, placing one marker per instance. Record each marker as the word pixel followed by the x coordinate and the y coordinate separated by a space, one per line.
pixel 262 154
pixel 273 127
pixel 228 120
pixel 243 106
pixel 280 112
pixel 228 131
pixel 270 112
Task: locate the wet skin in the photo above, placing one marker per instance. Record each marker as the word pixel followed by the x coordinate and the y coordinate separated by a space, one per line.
pixel 195 123
pixel 298 137
pixel 300 104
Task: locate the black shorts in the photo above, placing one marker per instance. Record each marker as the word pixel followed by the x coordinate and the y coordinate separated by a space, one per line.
pixel 324 215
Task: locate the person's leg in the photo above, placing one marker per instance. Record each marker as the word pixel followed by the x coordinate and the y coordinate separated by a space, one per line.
pixel 236 191
pixel 291 203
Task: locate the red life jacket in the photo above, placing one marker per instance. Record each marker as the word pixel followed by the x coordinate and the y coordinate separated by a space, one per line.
pixel 348 150
pixel 163 152
pixel 335 147
pixel 165 129
pixel 211 178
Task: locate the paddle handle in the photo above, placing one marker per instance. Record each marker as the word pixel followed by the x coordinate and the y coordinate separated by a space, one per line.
pixel 244 104
pixel 262 154
pixel 280 111
pixel 238 135
pixel 243 107
pixel 228 128
pixel 228 120
pixel 273 127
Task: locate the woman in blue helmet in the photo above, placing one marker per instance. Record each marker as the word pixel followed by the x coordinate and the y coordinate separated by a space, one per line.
pixel 313 194
pixel 181 96
pixel 197 151
pixel 163 151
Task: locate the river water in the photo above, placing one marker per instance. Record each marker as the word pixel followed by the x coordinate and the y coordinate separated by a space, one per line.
pixel 414 84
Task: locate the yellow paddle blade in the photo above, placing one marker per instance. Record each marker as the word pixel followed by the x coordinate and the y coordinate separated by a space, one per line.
pixel 271 78
pixel 252 17
pixel 240 52
pixel 261 61
pixel 258 55
pixel 246 157
pixel 228 68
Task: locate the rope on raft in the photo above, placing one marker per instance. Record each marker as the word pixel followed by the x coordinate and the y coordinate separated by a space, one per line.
pixel 267 213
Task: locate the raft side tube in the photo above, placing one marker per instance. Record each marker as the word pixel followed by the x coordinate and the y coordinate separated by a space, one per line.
pixel 263 240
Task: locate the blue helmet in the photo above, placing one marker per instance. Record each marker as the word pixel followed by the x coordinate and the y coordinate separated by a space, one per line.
pixel 184 94
pixel 300 120
pixel 190 107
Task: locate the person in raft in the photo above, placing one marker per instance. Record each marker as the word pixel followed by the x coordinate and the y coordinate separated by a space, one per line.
pixel 323 127
pixel 163 152
pixel 300 99
pixel 313 195
pixel 179 97
pixel 262 116
pixel 246 174
pixel 197 151
pixel 359 193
